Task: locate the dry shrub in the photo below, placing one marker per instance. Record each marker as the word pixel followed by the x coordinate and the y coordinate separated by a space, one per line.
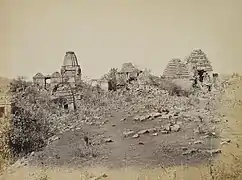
pixel 224 171
pixel 173 88
pixel 29 124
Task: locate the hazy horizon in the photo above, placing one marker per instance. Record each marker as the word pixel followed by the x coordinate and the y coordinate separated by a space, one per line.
pixel 36 34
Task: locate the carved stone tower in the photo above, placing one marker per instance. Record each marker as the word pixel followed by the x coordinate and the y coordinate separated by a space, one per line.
pixel 70 70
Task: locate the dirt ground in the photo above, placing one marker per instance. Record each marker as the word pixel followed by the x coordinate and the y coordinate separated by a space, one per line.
pixel 111 149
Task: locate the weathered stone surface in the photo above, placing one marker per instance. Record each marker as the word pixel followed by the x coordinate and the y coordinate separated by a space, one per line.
pixel 145 131
pixel 102 176
pixel 190 152
pixel 167 127
pixel 155 115
pixel 198 142
pixel 135 136
pixel 123 119
pixel 128 133
pixel 214 151
pixel 175 128
pixel 155 134
pixel 142 118
pixel 164 132
pixel 152 130
pixel 108 140
pixel 52 139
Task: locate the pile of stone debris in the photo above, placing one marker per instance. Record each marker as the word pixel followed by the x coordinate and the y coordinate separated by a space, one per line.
pixel 136 99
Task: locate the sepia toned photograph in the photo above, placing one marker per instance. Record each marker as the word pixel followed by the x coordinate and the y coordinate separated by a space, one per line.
pixel 121 90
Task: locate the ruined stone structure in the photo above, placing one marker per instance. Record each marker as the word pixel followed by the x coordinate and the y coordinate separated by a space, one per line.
pixel 70 72
pixel 128 73
pixel 196 64
pixel 65 95
pixel 199 62
pixel 176 69
pixel 102 83
pixel 55 78
pixel 5 107
pixel 196 68
pixel 201 71
pixel 62 83
pixel 39 80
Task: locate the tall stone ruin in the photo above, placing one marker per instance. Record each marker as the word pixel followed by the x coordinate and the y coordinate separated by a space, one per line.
pixel 200 68
pixel 70 70
pixel 175 69
pixel 198 61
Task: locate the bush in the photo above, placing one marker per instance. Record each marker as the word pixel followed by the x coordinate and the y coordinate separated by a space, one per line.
pixel 29 125
pixel 224 171
pixel 173 89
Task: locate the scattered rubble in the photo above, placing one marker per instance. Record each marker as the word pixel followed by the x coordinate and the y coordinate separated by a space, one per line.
pixel 104 175
pixel 214 151
pixel 52 139
pixel 225 141
pixel 167 127
pixel 164 132
pixel 198 142
pixel 190 152
pixel 155 134
pixel 108 140
pixel 123 119
pixel 135 136
pixel 175 128
pixel 128 133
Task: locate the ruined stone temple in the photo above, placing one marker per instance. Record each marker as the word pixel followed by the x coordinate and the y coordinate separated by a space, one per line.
pixel 39 80
pixel 196 68
pixel 176 69
pixel 198 61
pixel 61 83
pixel 70 72
pixel 128 72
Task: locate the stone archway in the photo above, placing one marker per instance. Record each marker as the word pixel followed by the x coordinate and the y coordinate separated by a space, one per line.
pixel 65 91
pixel 200 75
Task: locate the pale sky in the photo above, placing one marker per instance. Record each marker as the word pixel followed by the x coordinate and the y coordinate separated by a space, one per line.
pixel 35 34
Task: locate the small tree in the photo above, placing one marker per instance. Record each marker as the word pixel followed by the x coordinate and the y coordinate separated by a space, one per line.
pixel 30 124
pixel 111 78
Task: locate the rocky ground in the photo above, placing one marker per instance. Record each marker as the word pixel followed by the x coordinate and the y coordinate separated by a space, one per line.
pixel 111 147
pixel 149 128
